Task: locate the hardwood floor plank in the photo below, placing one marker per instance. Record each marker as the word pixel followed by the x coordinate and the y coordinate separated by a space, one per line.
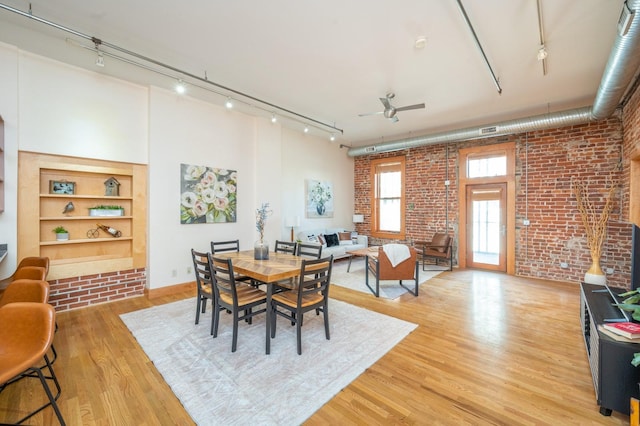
pixel 489 349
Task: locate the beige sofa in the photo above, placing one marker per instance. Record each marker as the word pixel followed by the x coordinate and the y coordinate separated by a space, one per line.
pixel 349 241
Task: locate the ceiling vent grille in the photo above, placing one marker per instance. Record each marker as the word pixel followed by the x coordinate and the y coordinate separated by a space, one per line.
pixel 370 149
pixel 488 130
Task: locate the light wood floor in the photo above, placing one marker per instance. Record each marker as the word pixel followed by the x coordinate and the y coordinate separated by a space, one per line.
pixel 490 349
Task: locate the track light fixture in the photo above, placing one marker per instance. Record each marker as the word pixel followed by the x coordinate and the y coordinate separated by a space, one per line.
pixel 273 118
pixel 306 129
pixel 228 104
pixel 332 137
pixel 100 59
pixel 180 87
pixel 542 53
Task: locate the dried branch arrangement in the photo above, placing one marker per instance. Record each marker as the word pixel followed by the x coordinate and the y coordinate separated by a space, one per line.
pixel 594 218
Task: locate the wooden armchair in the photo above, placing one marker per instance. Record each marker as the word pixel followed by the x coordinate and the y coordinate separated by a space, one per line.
pixel 438 249
pixel 380 266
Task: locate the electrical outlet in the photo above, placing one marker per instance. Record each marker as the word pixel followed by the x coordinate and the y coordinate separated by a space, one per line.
pixel 564 265
pixel 526 222
pixel 189 269
pixel 447 182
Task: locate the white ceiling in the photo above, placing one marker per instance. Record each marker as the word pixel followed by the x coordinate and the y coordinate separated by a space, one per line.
pixel 331 60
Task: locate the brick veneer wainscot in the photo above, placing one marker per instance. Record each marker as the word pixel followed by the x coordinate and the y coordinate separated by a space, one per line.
pixel 78 292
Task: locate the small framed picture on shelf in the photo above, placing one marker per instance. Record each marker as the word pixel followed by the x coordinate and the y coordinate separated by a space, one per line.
pixel 62 187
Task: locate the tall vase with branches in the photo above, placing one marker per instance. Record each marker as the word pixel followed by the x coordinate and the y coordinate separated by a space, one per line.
pixel 594 213
pixel 261 247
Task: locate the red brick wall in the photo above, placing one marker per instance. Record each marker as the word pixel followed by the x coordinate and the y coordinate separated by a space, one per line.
pixel 77 292
pixel 546 161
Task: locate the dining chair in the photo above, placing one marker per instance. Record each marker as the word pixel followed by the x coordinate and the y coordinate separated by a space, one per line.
pixel 30 273
pixel 25 343
pixel 285 247
pixel 309 250
pixel 226 246
pixel 203 283
pixel 237 297
pixel 42 262
pixel 312 294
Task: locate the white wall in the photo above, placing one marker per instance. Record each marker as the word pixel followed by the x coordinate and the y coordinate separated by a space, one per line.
pixel 51 107
pixel 9 113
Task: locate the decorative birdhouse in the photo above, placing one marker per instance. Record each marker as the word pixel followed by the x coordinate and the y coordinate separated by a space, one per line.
pixel 111 187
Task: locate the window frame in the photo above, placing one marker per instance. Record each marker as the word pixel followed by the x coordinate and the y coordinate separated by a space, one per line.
pixel 374 199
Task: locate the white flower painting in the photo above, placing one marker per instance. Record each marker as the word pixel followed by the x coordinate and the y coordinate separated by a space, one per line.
pixel 208 195
pixel 319 199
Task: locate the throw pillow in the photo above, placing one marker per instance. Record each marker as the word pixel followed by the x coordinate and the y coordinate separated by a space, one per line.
pixel 312 238
pixel 344 236
pixel 332 240
pixel 321 239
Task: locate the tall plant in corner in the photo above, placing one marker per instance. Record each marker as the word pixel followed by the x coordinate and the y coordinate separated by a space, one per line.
pixel 594 213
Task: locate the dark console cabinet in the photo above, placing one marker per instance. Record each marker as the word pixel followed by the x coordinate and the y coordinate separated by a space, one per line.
pixel 614 378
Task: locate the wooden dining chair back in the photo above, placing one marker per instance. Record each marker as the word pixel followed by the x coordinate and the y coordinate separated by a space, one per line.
pixel 310 250
pixel 285 247
pixel 30 273
pixel 24 344
pixel 382 269
pixel 312 294
pixel 203 283
pixel 225 246
pixel 235 296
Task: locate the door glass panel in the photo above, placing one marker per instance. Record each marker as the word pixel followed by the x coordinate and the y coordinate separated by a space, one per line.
pixel 486 231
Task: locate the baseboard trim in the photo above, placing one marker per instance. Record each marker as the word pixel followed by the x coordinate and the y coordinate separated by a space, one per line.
pixel 169 290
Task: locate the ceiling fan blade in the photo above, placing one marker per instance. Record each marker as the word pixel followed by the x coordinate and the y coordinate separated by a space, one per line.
pixel 366 114
pixel 386 103
pixel 408 107
pixel 394 119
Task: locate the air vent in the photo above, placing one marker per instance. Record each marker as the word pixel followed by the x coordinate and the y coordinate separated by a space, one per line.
pixel 370 149
pixel 624 22
pixel 488 130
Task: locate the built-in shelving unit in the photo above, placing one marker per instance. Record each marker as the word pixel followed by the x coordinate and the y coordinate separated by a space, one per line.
pixel 88 250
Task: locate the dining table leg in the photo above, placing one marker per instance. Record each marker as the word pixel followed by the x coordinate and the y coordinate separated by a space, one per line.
pixel 268 317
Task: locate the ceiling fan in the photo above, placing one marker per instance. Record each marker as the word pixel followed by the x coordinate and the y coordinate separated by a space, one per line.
pixel 389 110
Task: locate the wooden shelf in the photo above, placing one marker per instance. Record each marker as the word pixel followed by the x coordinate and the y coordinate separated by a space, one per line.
pixel 80 256
pixel 84 241
pixel 96 218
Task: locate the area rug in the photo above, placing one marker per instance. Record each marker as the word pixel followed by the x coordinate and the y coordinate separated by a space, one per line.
pixel 355 279
pixel 217 386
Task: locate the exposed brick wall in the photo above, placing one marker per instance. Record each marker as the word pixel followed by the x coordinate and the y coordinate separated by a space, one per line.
pixel 78 292
pixel 545 162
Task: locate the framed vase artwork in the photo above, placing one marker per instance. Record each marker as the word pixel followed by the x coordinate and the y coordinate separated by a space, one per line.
pixel 207 194
pixel 319 199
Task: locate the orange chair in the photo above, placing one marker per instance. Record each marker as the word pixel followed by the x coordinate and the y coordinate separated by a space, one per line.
pixel 24 344
pixel 25 290
pixel 439 248
pixel 381 268
pixel 42 262
pixel 30 273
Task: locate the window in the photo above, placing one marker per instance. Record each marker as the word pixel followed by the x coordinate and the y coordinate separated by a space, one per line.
pixel 487 165
pixel 387 200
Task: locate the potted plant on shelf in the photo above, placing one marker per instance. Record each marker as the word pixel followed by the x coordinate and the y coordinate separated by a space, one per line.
pixel 61 233
pixel 102 211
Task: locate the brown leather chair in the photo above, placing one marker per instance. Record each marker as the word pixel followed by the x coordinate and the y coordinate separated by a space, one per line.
pixel 380 267
pixel 24 344
pixel 438 249
pixel 25 290
pixel 30 273
pixel 33 261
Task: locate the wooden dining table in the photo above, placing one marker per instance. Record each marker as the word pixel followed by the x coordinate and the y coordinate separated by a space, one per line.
pixel 278 267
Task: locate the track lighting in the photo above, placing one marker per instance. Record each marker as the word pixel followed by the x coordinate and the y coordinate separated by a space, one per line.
pixel 180 87
pixel 100 59
pixel 542 53
pixel 332 138
pixel 228 104
pixel 306 129
pixel 273 118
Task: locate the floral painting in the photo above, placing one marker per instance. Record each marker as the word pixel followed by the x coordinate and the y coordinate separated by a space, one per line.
pixel 319 199
pixel 207 194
